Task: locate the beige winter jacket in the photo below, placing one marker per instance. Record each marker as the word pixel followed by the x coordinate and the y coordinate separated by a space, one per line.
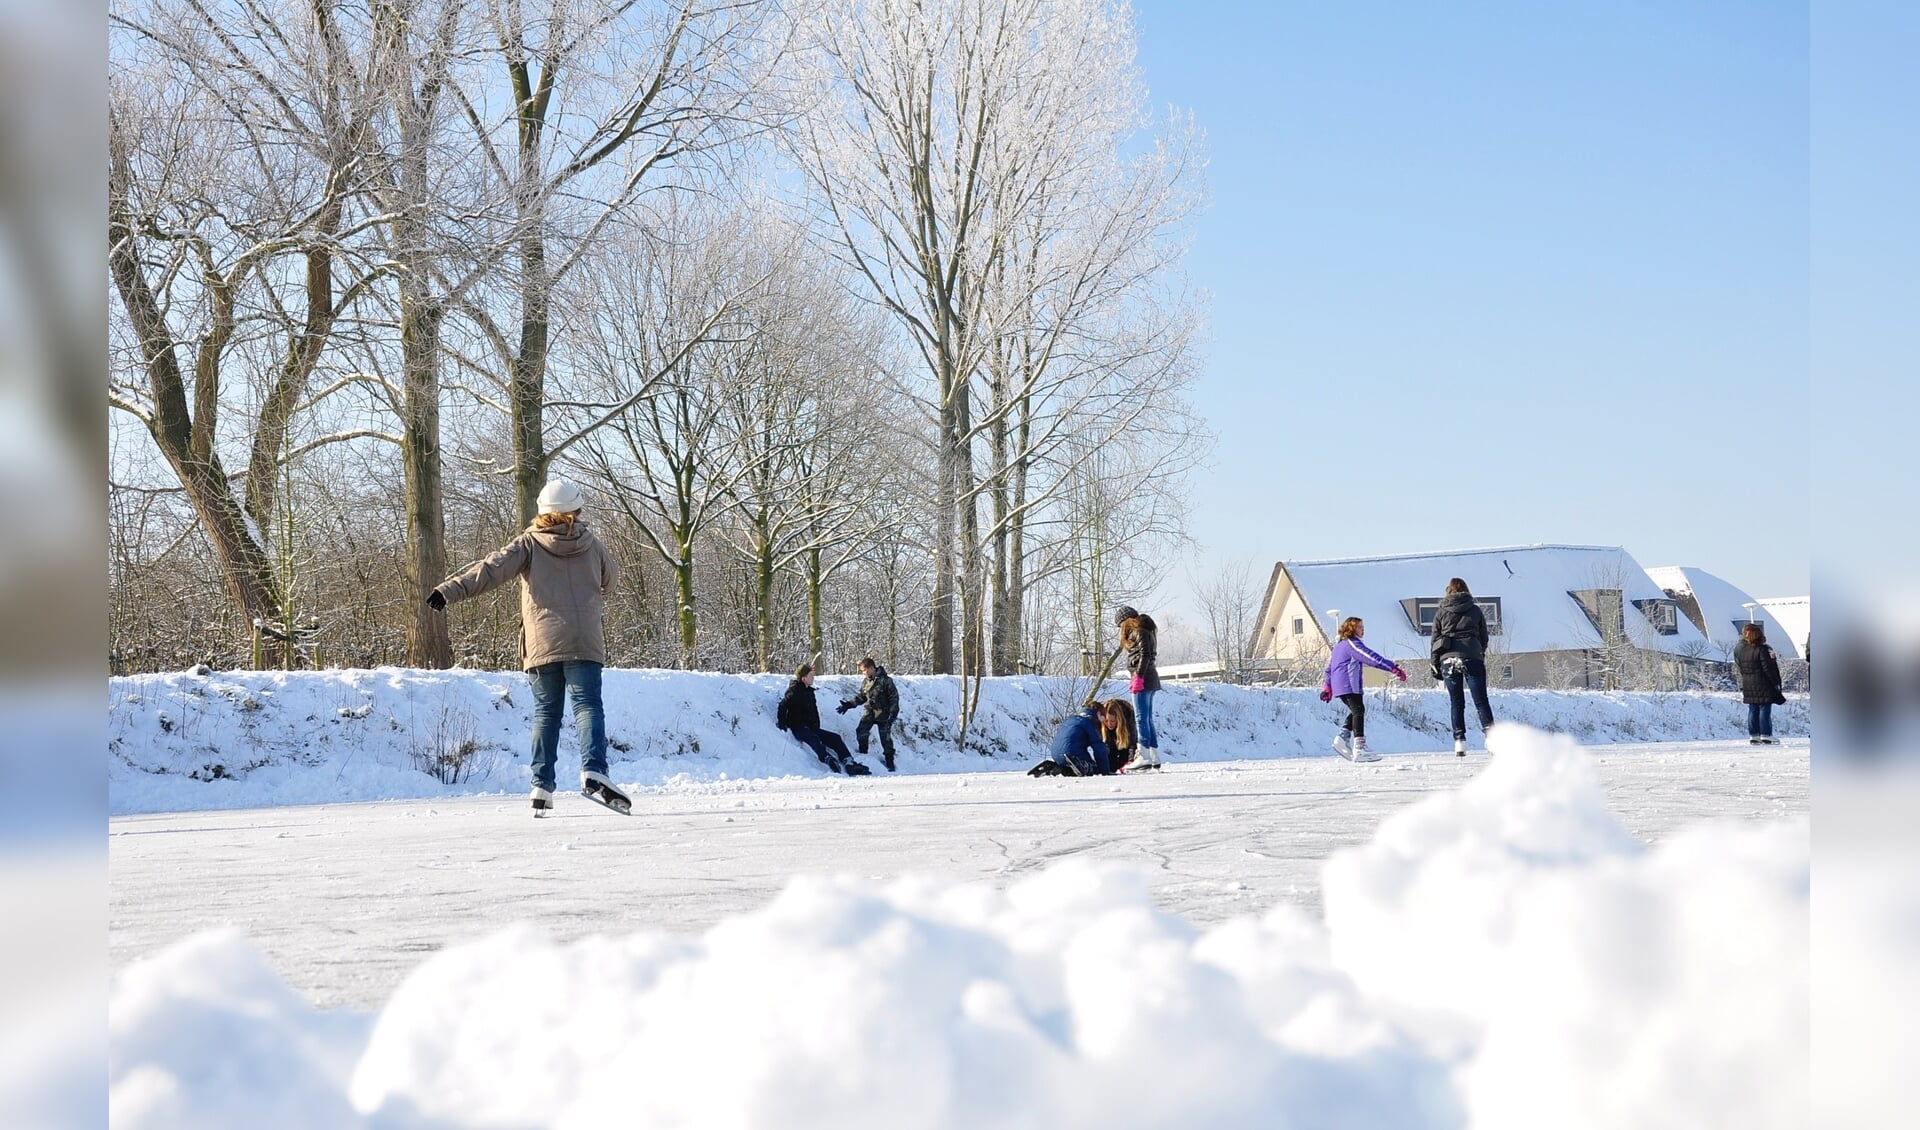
pixel 565 575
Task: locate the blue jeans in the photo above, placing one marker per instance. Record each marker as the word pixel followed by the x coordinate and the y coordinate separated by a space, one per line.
pixel 1759 719
pixel 550 684
pixel 1143 716
pixel 1082 764
pixel 1461 677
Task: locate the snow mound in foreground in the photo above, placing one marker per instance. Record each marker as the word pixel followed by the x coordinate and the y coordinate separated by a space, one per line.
pixel 1501 956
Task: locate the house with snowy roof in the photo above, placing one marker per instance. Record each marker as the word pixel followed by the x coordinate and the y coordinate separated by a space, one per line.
pixel 1720 608
pixel 1795 614
pixel 1570 616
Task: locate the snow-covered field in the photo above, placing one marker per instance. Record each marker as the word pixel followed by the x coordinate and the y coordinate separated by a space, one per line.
pixel 252 739
pixel 1609 936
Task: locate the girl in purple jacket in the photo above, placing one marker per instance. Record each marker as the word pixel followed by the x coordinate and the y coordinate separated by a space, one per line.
pixel 1344 683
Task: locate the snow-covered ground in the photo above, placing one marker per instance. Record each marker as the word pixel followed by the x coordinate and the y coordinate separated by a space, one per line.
pixel 1423 942
pixel 251 739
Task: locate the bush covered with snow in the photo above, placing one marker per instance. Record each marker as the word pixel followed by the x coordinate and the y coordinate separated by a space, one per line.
pixel 1503 955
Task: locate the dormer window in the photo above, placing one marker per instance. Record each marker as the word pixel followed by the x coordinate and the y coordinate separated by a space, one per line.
pixel 1603 610
pixel 1664 615
pixel 1420 611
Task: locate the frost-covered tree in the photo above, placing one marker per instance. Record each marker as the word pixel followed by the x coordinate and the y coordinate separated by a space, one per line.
pixel 980 166
pixel 232 179
pixel 582 109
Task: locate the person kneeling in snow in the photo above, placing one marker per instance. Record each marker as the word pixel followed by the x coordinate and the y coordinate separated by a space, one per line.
pixel 1077 748
pixel 1117 730
pixel 799 715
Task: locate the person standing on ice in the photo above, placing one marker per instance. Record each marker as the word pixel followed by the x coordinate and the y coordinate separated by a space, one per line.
pixel 799 714
pixel 882 701
pixel 1758 667
pixel 1345 682
pixel 1460 658
pixel 1139 638
pixel 565 574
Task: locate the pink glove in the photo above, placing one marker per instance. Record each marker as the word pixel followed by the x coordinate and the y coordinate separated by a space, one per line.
pixel 1398 673
pixel 1139 684
pixel 1326 692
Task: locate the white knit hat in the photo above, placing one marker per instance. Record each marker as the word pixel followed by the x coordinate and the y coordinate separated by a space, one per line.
pixel 560 497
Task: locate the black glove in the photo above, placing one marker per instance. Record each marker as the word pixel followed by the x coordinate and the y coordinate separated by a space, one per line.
pixel 843 707
pixel 436 602
pixel 1436 673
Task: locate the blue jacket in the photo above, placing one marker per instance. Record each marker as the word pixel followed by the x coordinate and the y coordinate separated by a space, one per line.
pixel 1343 667
pixel 1077 743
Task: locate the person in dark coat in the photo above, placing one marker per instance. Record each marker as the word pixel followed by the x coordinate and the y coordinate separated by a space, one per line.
pixel 882 701
pixel 1077 748
pixel 1460 658
pixel 799 715
pixel 1758 666
pixel 1139 638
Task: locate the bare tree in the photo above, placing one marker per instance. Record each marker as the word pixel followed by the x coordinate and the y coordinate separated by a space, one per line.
pixel 1230 610
pixel 601 100
pixel 229 183
pixel 803 421
pixel 672 335
pixel 964 157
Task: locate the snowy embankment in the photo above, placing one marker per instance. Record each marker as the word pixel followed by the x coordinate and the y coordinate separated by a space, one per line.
pixel 1501 955
pixel 251 739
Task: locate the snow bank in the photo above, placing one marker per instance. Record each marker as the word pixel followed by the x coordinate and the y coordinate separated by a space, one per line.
pixel 1501 956
pixel 197 740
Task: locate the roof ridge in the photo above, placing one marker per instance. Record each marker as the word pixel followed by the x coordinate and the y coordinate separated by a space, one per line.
pixel 1451 553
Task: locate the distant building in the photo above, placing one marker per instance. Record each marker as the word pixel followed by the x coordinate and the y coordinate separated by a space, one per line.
pixel 1719 608
pixel 1559 616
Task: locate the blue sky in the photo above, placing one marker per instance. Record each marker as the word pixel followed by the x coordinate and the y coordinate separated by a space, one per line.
pixel 1489 274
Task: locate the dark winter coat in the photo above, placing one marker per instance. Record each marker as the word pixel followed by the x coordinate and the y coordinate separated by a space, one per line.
pixel 797 708
pixel 1459 628
pixel 878 695
pixel 1139 637
pixel 565 574
pixel 1759 669
pixel 1078 740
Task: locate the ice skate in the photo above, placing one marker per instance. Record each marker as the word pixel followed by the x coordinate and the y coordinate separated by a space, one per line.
pixel 598 789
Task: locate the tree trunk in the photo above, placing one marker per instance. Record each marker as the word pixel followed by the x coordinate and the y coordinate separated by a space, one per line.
pixel 689 622
pixel 1015 609
pixel 945 504
pixel 184 438
pixel 972 562
pixel 1003 647
pixel 763 592
pixel 526 393
pixel 428 642
pixel 816 638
